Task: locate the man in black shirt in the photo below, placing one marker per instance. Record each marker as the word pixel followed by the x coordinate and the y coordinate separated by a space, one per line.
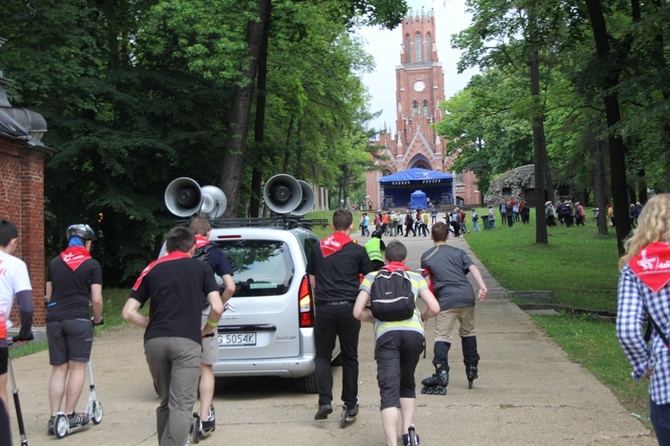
pixel 334 272
pixel 73 280
pixel 175 283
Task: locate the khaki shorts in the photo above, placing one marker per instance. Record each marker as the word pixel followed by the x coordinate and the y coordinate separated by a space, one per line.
pixel 446 320
pixel 210 345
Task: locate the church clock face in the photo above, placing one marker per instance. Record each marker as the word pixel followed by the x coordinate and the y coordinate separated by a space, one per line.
pixel 419 86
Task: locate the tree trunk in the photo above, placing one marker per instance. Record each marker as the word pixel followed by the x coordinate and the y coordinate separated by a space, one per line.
pixel 616 145
pixel 233 155
pixel 259 123
pixel 540 149
pixel 598 173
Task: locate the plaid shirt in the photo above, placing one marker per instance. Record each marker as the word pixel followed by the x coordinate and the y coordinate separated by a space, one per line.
pixel 635 300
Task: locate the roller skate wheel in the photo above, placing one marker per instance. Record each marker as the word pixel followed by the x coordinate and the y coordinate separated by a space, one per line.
pixel 61 426
pixel 343 417
pixel 424 390
pixel 97 412
pixel 469 384
pixel 442 391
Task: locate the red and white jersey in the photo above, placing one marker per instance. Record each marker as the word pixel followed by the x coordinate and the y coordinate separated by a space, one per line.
pixel 13 279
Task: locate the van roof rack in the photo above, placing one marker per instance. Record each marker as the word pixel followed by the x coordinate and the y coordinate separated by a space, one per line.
pixel 283 221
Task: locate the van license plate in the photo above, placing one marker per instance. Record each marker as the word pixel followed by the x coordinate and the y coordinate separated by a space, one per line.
pixel 237 339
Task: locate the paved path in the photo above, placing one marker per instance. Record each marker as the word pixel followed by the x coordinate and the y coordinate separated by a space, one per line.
pixel 528 393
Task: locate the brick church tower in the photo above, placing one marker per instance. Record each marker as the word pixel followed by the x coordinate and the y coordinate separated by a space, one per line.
pixel 419 92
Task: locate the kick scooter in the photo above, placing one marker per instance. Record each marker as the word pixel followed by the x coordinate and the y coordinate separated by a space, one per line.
pixel 93 409
pixel 17 403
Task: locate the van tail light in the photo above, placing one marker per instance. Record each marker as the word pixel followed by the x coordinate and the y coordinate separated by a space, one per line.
pixel 306 304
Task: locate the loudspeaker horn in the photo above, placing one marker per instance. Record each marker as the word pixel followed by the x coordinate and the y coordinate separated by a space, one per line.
pixel 307 202
pixel 282 193
pixel 214 202
pixel 183 197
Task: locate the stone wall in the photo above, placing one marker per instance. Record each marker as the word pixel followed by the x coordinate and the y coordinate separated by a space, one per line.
pixel 517 183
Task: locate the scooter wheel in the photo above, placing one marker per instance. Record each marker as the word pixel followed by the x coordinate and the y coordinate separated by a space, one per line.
pixel 61 426
pixel 195 430
pixel 98 413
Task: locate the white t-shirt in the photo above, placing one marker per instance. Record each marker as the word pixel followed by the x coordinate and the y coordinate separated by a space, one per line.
pixel 14 278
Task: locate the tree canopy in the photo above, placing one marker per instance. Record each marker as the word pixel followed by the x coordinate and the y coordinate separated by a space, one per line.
pixel 139 92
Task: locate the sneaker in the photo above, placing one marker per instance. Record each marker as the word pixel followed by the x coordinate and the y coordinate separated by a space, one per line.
pixel 50 425
pixel 78 419
pixel 323 412
pixel 209 425
pixel 352 411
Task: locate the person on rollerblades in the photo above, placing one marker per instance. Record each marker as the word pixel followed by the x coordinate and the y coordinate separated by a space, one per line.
pixel 334 268
pixel 398 342
pixel 74 281
pixel 446 268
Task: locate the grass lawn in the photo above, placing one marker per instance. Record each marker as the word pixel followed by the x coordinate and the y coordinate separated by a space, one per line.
pixel 580 267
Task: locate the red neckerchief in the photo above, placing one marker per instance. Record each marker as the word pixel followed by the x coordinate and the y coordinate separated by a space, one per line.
pixel 334 243
pixel 176 255
pixel 74 256
pixel 200 241
pixel 652 265
pixel 395 266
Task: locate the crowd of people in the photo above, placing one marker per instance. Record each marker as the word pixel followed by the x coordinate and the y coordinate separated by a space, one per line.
pixel 343 301
pixel 416 222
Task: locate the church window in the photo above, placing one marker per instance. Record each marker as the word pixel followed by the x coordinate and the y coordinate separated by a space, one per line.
pixel 429 50
pixel 407 43
pixel 415 109
pixel 417 47
pixel 425 107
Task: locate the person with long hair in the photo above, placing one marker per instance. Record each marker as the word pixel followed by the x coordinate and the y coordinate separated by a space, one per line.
pixel 644 291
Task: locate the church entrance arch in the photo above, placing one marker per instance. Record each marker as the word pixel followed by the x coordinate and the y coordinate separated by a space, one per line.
pixel 420 162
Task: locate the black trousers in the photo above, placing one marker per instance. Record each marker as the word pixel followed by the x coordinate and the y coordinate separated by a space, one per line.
pixel 331 322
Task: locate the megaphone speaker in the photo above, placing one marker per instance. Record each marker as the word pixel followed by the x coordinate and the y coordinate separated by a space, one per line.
pixel 282 193
pixel 183 197
pixel 213 202
pixel 307 202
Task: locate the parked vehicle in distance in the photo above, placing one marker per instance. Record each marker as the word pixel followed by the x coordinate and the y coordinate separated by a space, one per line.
pixel 270 330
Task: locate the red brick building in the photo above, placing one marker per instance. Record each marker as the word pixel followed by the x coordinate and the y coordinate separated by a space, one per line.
pixel 419 92
pixel 22 189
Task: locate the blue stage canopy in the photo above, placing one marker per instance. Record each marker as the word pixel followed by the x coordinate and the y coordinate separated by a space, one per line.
pixel 415 176
pixel 399 188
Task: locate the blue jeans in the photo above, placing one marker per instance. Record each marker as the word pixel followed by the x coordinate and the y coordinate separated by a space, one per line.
pixel 660 418
pixel 330 322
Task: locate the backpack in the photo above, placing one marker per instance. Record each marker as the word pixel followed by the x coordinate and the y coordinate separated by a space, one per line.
pixel 391 296
pixel 202 253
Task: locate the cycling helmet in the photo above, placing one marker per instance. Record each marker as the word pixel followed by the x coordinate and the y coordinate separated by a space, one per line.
pixel 82 231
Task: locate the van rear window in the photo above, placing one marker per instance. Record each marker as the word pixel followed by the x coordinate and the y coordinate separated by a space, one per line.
pixel 260 267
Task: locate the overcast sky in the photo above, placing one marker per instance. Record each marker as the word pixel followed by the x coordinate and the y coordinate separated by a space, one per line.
pixel 384 46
